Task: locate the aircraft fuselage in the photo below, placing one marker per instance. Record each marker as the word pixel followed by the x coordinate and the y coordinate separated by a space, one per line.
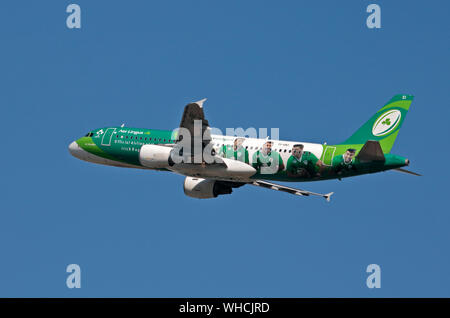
pixel 121 147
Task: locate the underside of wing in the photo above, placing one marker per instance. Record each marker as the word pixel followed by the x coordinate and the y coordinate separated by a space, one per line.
pixel 192 112
pixel 194 133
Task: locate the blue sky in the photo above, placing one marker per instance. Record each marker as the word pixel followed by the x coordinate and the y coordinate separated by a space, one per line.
pixel 311 68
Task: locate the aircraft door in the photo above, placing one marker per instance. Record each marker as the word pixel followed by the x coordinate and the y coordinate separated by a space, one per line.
pixel 106 140
pixel 328 155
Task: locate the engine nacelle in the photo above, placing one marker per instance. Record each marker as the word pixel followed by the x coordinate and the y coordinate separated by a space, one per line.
pixel 205 188
pixel 154 156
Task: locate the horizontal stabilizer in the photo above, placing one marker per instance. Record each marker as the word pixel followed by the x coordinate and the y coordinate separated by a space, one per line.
pixel 371 151
pixel 407 171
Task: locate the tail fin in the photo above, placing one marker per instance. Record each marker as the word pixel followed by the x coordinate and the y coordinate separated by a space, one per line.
pixel 384 125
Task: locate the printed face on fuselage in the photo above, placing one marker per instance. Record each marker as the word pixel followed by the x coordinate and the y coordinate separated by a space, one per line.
pixel 297 151
pixel 267 148
pixel 349 155
pixel 238 143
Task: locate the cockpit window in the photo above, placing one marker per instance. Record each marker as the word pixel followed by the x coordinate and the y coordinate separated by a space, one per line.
pixel 89 134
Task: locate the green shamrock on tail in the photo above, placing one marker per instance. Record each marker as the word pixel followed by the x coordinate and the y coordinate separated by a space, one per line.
pixel 387 121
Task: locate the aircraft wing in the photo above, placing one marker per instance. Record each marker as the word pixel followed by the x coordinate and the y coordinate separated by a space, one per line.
pixel 278 187
pixel 195 130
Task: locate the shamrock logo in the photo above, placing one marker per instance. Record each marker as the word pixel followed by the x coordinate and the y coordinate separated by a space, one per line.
pixel 387 121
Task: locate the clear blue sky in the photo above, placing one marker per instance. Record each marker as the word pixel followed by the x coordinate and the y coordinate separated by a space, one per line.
pixel 311 68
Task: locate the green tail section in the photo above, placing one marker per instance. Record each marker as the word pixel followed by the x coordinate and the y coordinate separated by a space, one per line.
pixel 384 125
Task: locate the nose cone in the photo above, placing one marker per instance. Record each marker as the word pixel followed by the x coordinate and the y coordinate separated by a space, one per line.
pixel 73 147
pixel 75 150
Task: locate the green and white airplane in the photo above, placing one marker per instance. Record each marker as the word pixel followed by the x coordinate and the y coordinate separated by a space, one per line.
pixel 220 163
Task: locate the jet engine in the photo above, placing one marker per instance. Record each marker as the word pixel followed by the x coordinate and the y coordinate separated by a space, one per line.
pixel 154 156
pixel 207 188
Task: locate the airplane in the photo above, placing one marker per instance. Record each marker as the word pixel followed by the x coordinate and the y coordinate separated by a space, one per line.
pixel 219 163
